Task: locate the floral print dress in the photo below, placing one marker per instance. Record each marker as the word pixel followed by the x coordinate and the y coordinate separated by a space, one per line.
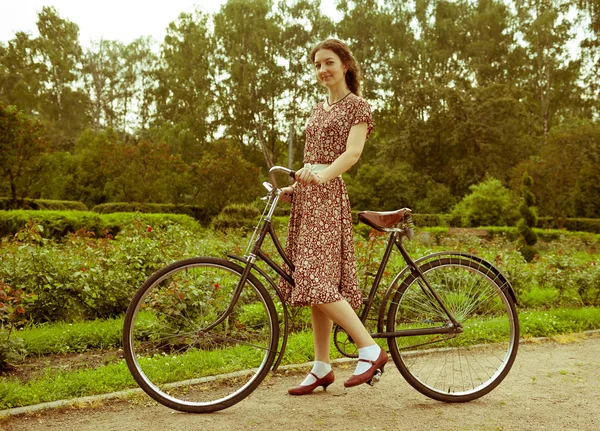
pixel 320 240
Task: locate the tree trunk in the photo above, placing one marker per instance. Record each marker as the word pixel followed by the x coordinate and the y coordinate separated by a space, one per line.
pixel 546 101
pixel 13 191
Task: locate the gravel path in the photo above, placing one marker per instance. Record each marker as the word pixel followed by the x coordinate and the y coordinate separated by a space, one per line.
pixel 554 385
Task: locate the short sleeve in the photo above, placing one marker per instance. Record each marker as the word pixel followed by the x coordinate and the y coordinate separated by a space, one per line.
pixel 363 115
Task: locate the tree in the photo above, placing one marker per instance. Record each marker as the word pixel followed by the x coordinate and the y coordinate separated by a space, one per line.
pixel 377 187
pixel 185 82
pixel 19 80
pixel 137 85
pixel 62 104
pixel 302 27
pixel 102 65
pixel 223 177
pixel 590 12
pixel 143 172
pixel 566 172
pixel 490 42
pixel 21 143
pixel 547 74
pixel 248 38
pixel 557 170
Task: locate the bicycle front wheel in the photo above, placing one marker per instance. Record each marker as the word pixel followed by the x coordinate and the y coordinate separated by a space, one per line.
pixel 455 367
pixel 185 349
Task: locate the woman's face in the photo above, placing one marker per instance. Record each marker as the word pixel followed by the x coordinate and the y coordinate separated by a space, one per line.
pixel 329 68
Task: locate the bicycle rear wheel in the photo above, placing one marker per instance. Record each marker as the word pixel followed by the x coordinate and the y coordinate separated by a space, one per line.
pixel 454 367
pixel 181 349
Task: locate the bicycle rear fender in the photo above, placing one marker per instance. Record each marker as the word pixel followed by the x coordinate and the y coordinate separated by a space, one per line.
pixel 506 286
pixel 280 296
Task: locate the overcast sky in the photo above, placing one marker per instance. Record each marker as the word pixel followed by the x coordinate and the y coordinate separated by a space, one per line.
pixel 123 20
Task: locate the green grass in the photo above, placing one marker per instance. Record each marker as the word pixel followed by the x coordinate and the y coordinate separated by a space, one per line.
pixel 106 334
pixel 558 321
pixel 72 337
pixel 64 384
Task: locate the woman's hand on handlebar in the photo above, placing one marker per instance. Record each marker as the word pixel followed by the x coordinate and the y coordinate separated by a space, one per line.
pixel 286 194
pixel 306 177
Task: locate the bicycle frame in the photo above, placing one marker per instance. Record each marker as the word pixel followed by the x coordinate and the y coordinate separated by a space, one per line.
pixel 265 227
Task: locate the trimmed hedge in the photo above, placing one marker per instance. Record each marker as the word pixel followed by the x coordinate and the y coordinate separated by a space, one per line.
pixel 425 220
pixel 57 224
pixel 512 234
pixel 448 220
pixel 432 220
pixel 572 224
pixel 237 216
pixel 200 214
pixel 42 204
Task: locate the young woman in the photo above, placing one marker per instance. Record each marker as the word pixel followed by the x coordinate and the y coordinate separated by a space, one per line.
pixel 320 236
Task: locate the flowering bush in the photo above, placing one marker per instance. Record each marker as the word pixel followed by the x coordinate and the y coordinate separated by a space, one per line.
pixel 85 277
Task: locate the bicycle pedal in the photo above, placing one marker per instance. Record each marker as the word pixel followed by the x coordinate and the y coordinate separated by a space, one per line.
pixel 375 379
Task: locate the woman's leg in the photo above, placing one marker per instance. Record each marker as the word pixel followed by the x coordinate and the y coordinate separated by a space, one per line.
pixel 322 327
pixel 342 314
pixel 372 355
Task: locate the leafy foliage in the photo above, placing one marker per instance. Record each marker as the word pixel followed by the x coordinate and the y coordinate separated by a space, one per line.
pixel 85 277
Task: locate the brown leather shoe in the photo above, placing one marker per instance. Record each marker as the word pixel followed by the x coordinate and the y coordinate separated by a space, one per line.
pixel 365 377
pixel 307 389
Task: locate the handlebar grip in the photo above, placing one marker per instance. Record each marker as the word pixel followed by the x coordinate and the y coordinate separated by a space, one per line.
pixel 293 174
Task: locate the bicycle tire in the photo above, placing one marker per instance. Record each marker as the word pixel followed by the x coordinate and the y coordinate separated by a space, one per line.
pixel 460 367
pixel 174 353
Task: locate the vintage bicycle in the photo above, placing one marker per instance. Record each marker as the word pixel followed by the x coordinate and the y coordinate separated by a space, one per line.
pixel 201 334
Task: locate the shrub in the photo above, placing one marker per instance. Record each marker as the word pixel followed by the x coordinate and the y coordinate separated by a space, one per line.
pixel 528 220
pixel 43 204
pixel 489 204
pixel 202 215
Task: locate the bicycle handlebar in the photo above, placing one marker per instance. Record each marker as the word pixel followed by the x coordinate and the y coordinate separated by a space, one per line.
pixel 275 169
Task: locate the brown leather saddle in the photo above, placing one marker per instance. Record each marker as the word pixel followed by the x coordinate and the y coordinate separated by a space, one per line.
pixel 384 220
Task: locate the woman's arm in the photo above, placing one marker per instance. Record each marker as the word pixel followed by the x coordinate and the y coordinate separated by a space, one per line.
pixel 354 147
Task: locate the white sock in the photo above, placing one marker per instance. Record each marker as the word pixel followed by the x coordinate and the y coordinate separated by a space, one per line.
pixel 321 369
pixel 370 353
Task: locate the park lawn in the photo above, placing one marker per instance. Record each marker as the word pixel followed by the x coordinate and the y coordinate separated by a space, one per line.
pixel 56 383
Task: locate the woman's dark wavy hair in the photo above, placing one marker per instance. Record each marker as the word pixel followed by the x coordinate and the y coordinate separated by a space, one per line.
pixel 353 75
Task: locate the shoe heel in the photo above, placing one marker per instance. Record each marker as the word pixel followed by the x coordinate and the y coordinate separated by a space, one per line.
pixel 381 368
pixel 325 386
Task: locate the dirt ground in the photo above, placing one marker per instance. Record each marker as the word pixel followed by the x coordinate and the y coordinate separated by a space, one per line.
pixel 554 385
